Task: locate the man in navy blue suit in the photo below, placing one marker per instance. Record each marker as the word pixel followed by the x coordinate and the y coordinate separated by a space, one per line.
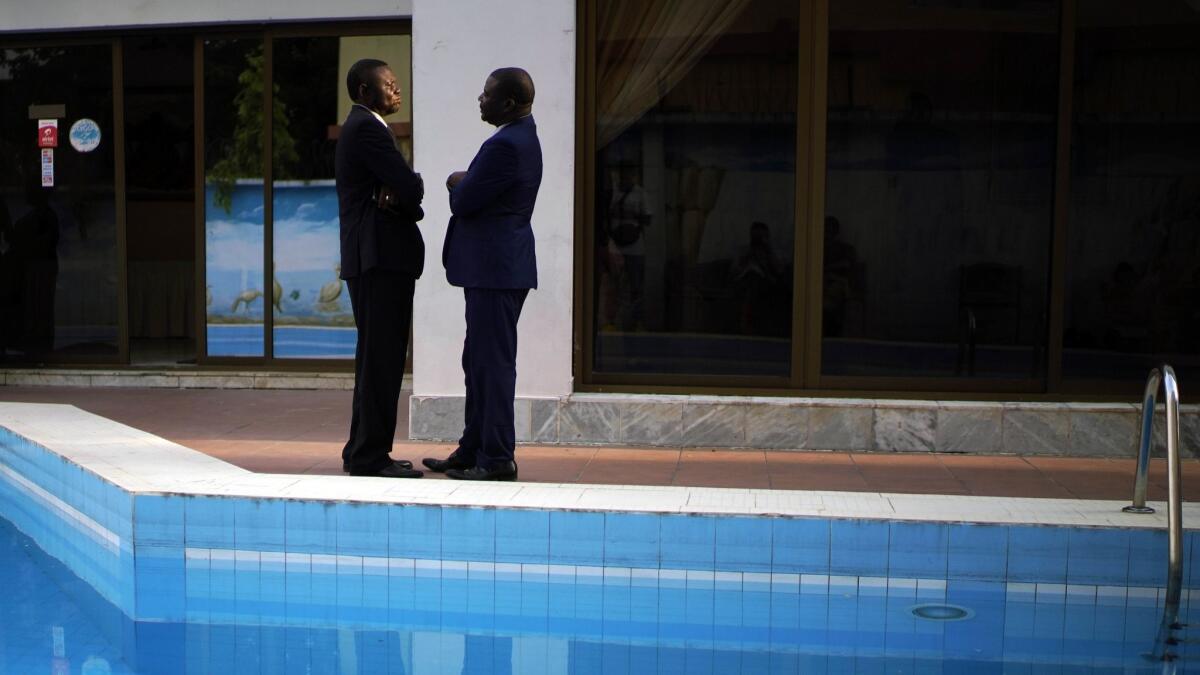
pixel 489 253
pixel 382 255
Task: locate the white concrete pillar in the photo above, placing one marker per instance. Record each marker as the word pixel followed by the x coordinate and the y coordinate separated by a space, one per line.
pixel 455 46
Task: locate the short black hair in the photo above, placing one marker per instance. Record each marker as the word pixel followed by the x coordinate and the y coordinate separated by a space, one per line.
pixel 514 83
pixel 361 73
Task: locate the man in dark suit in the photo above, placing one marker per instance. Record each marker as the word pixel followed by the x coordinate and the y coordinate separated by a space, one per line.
pixel 489 253
pixel 379 203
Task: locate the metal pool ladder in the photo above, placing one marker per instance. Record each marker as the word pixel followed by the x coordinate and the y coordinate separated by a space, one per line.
pixel 1166 376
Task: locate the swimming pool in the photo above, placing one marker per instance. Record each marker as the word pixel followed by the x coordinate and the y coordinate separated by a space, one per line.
pixel 195 566
pixel 283 617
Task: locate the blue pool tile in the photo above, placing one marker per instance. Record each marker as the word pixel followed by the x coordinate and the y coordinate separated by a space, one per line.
pixel 73 492
pixel 119 504
pixel 362 529
pixel 259 524
pixel 631 540
pixel 159 520
pixel 858 547
pixel 1098 556
pixel 209 522
pixel 311 527
pixel 1148 558
pixel 800 546
pixel 415 532
pixel 273 586
pixel 917 550
pixel 743 544
pixel 469 534
pixel 522 536
pixel 247 586
pixel 297 587
pixel 576 538
pixel 159 584
pixel 978 552
pixel 349 588
pixel 1037 554
pixel 687 542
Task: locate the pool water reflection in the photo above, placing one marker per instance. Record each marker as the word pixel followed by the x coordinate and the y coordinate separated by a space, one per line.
pixel 250 615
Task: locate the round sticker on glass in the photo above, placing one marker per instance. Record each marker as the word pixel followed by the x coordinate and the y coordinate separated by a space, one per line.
pixel 85 135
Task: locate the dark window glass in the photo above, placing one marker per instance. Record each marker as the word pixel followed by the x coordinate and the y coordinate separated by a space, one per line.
pixel 233 196
pixel 160 209
pixel 940 169
pixel 1133 262
pixel 58 235
pixel 695 186
pixel 312 315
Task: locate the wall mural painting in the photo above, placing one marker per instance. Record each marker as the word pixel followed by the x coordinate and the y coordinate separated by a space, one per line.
pixel 313 318
pixel 310 303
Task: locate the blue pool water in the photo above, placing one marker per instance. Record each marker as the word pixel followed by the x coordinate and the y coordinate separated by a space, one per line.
pixel 257 615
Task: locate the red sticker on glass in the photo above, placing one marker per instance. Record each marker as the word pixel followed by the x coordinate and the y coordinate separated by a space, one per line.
pixel 47 133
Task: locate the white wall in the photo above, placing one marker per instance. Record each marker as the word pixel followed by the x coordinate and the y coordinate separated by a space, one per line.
pixel 27 15
pixel 455 46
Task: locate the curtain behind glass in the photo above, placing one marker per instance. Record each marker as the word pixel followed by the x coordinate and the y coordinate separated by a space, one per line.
pixel 695 187
pixel 645 48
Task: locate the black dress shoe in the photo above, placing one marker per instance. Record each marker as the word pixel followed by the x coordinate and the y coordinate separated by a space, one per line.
pixel 454 461
pixel 504 471
pixel 404 464
pixel 393 470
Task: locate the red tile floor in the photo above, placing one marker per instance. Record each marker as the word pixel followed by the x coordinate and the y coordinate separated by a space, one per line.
pixel 274 431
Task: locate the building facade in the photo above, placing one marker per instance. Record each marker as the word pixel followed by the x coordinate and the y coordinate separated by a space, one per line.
pixel 917 199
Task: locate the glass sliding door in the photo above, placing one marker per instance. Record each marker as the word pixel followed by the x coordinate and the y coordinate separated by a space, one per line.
pixel 693 198
pixel 233 197
pixel 59 278
pixel 311 305
pixel 940 151
pixel 1133 260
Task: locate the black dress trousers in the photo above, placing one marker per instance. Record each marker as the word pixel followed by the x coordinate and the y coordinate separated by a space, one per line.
pixel 489 362
pixel 382 302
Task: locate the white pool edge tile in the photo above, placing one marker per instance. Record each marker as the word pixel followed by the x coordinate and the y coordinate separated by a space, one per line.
pixel 142 463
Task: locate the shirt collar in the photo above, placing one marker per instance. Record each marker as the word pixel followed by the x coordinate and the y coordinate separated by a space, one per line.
pixel 508 123
pixel 377 115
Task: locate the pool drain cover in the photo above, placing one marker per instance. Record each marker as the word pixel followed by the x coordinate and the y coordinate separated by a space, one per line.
pixel 941 612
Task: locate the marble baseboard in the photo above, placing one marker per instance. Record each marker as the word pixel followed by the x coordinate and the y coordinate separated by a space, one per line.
pixel 177 379
pixel 854 425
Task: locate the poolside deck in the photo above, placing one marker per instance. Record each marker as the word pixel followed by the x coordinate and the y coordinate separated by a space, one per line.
pixel 302 431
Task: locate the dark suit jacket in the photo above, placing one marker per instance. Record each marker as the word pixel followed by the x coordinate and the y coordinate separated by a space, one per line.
pixel 489 243
pixel 366 159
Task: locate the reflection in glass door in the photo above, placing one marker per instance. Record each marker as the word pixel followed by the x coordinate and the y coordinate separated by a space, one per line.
pixel 58 224
pixel 1133 272
pixel 312 317
pixel 694 195
pixel 233 197
pixel 940 146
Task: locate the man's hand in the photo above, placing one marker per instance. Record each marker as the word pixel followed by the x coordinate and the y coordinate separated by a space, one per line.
pixel 454 179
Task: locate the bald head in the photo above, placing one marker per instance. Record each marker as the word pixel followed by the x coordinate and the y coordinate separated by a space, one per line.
pixel 507 96
pixel 514 83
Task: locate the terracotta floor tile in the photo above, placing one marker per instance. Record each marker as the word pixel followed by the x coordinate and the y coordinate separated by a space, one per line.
pixel 818 480
pixel 623 477
pixel 895 459
pixel 759 481
pixel 984 461
pixel 804 458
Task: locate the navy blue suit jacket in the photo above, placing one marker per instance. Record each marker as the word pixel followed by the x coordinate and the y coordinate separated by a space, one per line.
pixel 489 242
pixel 367 158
